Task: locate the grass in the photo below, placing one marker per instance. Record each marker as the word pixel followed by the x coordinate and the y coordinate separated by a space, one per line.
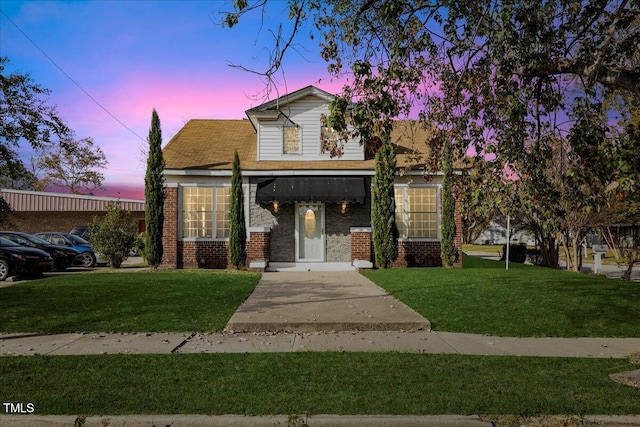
pixel 160 301
pixel 524 301
pixel 316 383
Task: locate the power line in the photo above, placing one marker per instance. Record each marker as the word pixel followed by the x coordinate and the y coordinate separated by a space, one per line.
pixel 72 80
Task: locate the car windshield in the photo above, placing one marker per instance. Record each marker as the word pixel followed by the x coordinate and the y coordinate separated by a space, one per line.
pixel 77 239
pixel 7 242
pixel 34 239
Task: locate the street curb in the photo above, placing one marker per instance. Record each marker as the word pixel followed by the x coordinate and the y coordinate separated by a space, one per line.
pixel 292 421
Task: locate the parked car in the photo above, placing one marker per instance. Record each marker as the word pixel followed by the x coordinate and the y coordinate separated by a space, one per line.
pixel 89 257
pixel 81 231
pixel 16 259
pixel 63 256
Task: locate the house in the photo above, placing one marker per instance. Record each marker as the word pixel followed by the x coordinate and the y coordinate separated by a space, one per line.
pixel 37 211
pixel 304 209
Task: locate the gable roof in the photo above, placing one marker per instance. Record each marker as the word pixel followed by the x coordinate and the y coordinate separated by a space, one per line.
pixel 209 145
pixel 271 109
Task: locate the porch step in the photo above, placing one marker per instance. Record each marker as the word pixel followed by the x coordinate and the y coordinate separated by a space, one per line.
pixel 310 266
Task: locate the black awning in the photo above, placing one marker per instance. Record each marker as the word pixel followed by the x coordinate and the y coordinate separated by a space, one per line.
pixel 311 189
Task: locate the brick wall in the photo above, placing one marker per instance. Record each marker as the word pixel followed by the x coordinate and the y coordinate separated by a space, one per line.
pixel 203 254
pixel 418 254
pixel 258 246
pixel 62 222
pixel 361 247
pixel 170 229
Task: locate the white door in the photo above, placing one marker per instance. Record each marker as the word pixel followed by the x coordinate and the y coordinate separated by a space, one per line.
pixel 310 232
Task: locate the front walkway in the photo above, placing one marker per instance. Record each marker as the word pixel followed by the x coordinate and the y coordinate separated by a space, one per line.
pixel 313 301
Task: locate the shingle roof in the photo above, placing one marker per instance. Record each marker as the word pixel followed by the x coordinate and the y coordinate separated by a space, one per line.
pixel 209 145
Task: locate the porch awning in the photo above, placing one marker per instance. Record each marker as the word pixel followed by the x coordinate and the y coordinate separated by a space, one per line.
pixel 311 189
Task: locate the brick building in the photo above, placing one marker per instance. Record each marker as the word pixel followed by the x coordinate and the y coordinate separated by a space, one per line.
pixel 39 211
pixel 304 209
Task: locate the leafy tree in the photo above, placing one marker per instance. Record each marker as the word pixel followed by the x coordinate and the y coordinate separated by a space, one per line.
pixel 17 177
pixel 154 195
pixel 506 79
pixel 114 235
pixel 237 226
pixel 73 166
pixel 383 206
pixel 24 117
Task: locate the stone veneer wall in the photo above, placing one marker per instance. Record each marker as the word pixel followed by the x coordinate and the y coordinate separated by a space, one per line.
pixel 337 228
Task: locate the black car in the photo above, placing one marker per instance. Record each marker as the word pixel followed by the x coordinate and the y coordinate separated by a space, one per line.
pixel 63 256
pixel 18 260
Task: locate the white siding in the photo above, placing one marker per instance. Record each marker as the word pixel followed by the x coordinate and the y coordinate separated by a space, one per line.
pixel 306 113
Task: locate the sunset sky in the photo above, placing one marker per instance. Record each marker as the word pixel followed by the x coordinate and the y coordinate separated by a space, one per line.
pixel 133 56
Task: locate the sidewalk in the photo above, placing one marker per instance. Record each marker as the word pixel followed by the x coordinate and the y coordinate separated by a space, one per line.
pixel 424 342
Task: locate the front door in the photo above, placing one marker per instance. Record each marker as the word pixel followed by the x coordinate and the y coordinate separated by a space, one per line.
pixel 310 232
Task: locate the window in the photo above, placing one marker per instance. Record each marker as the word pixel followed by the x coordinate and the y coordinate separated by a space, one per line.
pixel 199 215
pixel 290 139
pixel 417 212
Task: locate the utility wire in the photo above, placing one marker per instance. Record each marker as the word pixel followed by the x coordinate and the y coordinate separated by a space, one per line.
pixel 72 80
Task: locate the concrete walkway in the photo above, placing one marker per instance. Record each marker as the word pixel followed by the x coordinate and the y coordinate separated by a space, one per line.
pixel 426 342
pixel 322 301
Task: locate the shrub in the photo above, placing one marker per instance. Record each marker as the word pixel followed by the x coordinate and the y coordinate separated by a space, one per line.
pixel 114 235
pixel 517 253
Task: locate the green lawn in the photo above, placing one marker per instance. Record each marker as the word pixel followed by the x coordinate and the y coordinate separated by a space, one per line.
pixel 524 301
pixel 160 301
pixel 316 383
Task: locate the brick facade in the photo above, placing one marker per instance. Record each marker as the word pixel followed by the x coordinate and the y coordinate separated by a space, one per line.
pixel 170 229
pixel 271 242
pixel 198 254
pixel 258 247
pixel 59 221
pixel 361 246
pixel 418 254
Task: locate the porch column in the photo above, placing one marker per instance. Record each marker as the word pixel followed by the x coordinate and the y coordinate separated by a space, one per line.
pixel 258 247
pixel 361 247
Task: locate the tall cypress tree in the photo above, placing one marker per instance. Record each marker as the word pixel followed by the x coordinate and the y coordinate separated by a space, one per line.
pixel 154 195
pixel 448 251
pixel 237 227
pixel 383 206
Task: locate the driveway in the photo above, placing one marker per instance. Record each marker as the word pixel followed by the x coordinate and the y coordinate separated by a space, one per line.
pixel 322 301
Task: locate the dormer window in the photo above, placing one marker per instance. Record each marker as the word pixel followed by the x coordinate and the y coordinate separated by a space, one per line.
pixel 291 137
pixel 328 136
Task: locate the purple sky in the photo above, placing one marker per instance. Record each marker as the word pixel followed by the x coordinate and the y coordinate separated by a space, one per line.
pixel 133 56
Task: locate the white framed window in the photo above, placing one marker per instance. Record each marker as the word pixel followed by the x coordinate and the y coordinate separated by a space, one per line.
pixel 291 138
pixel 205 212
pixel 417 212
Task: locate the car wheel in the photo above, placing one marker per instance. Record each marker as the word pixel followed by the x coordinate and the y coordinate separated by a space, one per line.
pixel 88 260
pixel 4 269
